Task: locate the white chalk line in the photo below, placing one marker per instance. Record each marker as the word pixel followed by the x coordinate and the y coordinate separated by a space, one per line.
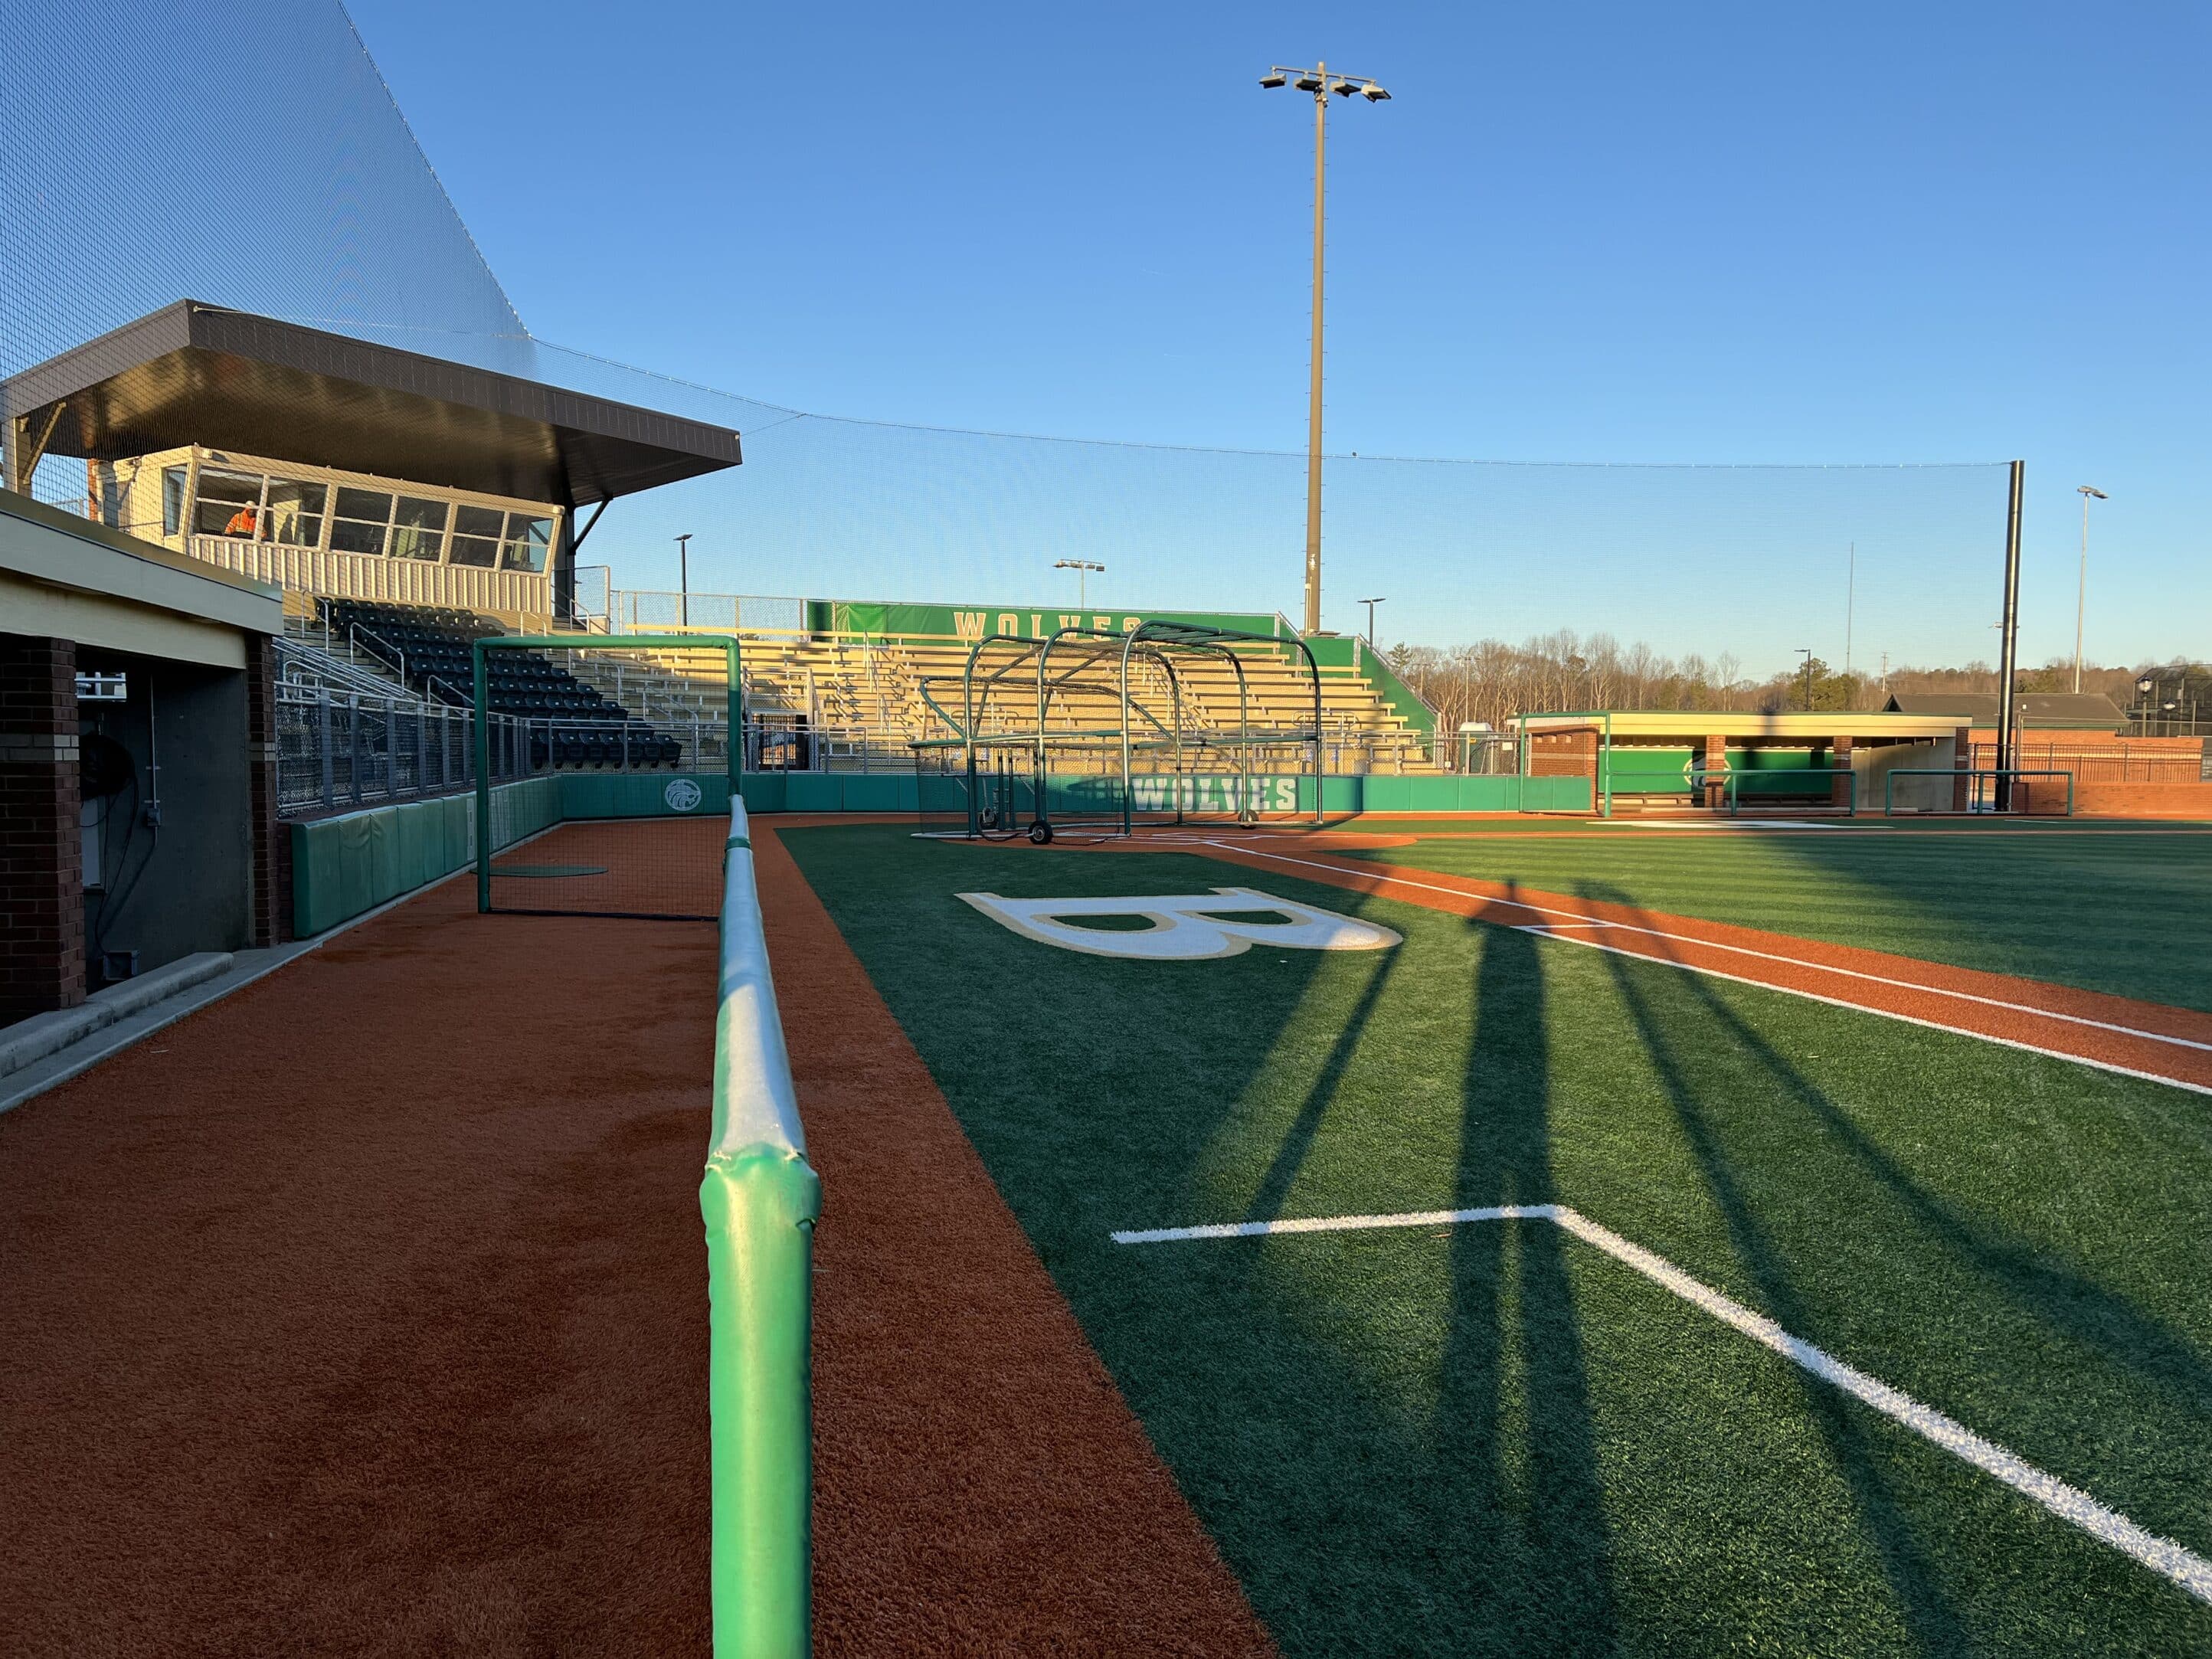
pixel 2182 1566
pixel 1773 956
pixel 1886 1014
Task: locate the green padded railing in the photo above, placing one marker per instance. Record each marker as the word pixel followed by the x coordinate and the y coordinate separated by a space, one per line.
pixel 760 1199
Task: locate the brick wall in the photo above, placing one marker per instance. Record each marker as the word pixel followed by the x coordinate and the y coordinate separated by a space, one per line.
pixel 2143 801
pixel 41 880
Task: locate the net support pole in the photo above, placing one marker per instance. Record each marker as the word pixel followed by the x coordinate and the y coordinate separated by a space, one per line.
pixel 2008 647
pixel 483 780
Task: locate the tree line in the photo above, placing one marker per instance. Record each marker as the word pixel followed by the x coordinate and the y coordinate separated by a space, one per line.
pixel 1491 681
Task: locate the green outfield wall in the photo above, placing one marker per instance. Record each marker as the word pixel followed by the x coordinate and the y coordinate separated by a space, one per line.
pixel 343 866
pixel 853 792
pixel 1769 773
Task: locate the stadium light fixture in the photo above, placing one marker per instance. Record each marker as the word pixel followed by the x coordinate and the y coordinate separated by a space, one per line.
pixel 1371 605
pixel 2087 493
pixel 683 579
pixel 1318 81
pixel 1081 568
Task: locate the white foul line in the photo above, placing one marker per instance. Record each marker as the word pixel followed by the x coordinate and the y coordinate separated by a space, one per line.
pixel 2192 1572
pixel 1545 932
pixel 1793 961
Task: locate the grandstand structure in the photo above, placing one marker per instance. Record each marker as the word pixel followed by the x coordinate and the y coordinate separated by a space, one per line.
pixel 404 506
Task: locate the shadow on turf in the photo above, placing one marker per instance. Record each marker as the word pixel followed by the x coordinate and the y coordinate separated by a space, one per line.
pixel 1505 1157
pixel 1905 1562
pixel 1514 1486
pixel 2077 1307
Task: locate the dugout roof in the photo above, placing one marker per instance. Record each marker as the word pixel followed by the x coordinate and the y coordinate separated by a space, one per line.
pixel 1678 726
pixel 195 373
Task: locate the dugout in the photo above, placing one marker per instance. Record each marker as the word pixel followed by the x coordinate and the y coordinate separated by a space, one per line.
pixel 1647 759
pixel 138 759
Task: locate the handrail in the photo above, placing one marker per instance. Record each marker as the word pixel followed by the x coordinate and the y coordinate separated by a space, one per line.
pixel 760 1199
pixel 370 635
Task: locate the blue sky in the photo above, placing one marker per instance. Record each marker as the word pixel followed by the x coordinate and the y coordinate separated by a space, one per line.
pixel 1732 233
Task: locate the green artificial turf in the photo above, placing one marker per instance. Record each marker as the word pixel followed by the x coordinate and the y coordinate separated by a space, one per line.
pixel 2129 914
pixel 1492 1439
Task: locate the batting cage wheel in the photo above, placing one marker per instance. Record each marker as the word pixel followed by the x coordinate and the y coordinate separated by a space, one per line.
pixel 1041 833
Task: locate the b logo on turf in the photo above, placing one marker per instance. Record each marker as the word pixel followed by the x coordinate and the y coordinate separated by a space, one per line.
pixel 1182 927
pixel 682 795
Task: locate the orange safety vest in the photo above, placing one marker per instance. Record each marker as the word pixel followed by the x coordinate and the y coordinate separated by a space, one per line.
pixel 242 523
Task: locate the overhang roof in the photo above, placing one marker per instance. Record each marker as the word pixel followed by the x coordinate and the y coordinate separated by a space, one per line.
pixel 195 373
pixel 1679 725
pixel 2085 711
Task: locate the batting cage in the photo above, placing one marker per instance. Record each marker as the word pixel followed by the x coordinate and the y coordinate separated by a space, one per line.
pixel 1089 730
pixel 641 835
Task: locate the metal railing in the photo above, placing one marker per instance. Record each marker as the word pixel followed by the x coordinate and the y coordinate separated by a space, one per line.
pixel 759 1198
pixel 375 576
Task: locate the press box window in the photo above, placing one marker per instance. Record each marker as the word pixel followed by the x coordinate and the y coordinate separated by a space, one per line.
pixel 476 535
pixel 528 541
pixel 418 529
pixel 295 516
pixel 229 504
pixel 172 500
pixel 363 517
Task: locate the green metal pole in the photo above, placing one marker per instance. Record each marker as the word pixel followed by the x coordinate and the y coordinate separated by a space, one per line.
pixel 483 783
pixel 734 749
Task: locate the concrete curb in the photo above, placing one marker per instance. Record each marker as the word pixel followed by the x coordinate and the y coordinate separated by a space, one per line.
pixel 27 1041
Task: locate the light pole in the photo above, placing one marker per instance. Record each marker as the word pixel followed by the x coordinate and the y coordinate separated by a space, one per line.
pixel 1806 652
pixel 2087 492
pixel 1318 81
pixel 1079 565
pixel 683 579
pixel 1371 605
pixel 2142 704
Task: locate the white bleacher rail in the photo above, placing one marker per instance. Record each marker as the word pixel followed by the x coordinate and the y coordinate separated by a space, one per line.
pixel 375 578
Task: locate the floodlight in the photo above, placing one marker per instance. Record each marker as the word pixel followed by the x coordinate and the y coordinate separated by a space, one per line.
pixel 1345 88
pixel 1272 78
pixel 1374 94
pixel 1307 83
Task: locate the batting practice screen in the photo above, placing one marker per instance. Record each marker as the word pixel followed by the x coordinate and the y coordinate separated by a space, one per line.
pixel 596 805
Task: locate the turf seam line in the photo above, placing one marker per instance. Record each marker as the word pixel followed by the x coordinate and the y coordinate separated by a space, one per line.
pixel 1771 956
pixel 2181 1566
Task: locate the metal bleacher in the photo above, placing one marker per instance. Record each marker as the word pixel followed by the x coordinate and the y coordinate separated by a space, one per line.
pixel 833 701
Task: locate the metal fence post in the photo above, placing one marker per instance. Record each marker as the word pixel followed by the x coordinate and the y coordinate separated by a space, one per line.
pixel 352 745
pixel 322 745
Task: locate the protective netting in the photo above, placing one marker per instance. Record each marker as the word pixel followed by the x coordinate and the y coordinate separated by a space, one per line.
pixel 246 153
pixel 1751 563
